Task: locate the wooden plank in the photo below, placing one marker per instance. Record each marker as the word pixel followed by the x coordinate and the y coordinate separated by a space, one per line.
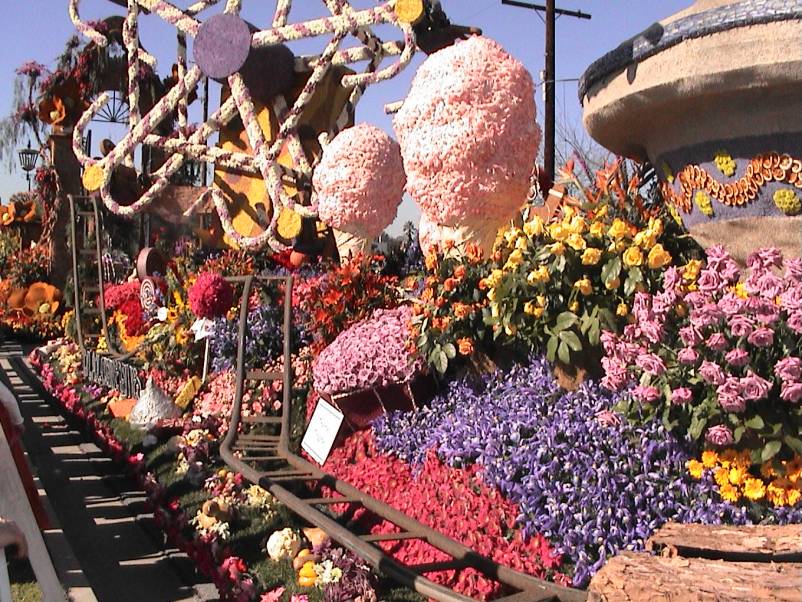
pixel 262 375
pixel 641 577
pixel 751 543
pixel 391 536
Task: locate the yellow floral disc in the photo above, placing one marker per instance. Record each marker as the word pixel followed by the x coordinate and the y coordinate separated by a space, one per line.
pixel 289 224
pixel 409 11
pixel 93 178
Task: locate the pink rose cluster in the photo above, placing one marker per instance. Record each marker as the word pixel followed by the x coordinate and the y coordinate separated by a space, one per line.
pixel 371 353
pixel 210 296
pixel 468 134
pixel 360 181
pixel 721 351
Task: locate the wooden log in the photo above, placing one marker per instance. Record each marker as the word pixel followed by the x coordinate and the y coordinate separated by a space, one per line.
pixel 641 577
pixel 753 543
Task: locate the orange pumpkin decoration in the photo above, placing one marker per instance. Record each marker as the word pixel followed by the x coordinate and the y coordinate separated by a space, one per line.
pixel 121 408
pixel 9 213
pixel 63 106
pixel 16 299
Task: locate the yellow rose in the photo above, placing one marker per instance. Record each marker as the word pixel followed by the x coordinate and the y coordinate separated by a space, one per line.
pixel 692 269
pixel 557 248
pixel 541 300
pixel 658 257
pixel 558 232
pixel 538 312
pixel 622 310
pixel 515 258
pixel 534 227
pixel 522 244
pixel 656 226
pixel 584 286
pixel 618 230
pixel 645 239
pixel 577 225
pixel 529 308
pixel 591 256
pixel 576 242
pixel 494 278
pixel 538 276
pixel 597 229
pixel 633 256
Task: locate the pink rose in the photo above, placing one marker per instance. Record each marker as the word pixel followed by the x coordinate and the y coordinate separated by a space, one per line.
pixel 741 326
pixel 719 435
pixel 646 394
pixel 764 310
pixel 761 337
pixel 690 336
pixel 754 386
pixel 793 269
pixel 789 369
pixel 712 373
pixel 765 258
pixel 709 281
pixel 671 279
pixel 651 364
pixel 681 395
pixel 791 391
pixel 729 396
pixel 730 304
pixel 737 358
pixel 791 299
pixel 615 374
pixel 717 342
pixel 769 285
pixel 687 356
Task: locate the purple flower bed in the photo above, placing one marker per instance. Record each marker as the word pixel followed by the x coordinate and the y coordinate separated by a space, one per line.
pixel 583 476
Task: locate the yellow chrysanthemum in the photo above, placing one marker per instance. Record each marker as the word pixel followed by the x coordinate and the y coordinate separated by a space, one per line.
pixel 558 232
pixel 793 469
pixel 787 201
pixel 591 256
pixel 695 468
pixel 522 244
pixel 721 476
pixel 703 202
pixel 754 489
pixel 729 493
pixel 776 492
pixel 709 458
pixel 767 470
pixel 737 475
pixel 576 242
pixel 516 258
pixel 529 308
pixel 577 225
pixel 793 496
pixel 725 163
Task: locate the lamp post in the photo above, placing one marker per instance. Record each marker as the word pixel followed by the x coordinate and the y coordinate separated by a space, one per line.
pixel 28 158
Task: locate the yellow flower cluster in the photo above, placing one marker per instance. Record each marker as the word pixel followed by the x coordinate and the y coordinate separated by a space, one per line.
pixel 704 203
pixel 129 343
pixel 731 472
pixel 725 163
pixel 787 201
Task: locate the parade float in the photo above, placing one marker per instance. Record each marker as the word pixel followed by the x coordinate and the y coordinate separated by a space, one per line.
pixel 495 418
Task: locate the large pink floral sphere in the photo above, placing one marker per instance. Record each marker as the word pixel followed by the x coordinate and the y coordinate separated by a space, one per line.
pixel 360 181
pixel 468 134
pixel 210 296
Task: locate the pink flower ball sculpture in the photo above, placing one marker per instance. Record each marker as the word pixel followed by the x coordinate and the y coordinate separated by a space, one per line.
pixel 468 134
pixel 372 353
pixel 360 181
pixel 210 296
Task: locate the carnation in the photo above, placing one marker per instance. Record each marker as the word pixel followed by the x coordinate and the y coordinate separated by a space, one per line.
pixel 371 353
pixel 360 181
pixel 469 146
pixel 210 296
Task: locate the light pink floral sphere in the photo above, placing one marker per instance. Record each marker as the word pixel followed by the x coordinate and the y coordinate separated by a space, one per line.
pixel 360 181
pixel 468 134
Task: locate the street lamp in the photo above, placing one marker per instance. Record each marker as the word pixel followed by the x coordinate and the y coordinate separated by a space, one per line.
pixel 28 158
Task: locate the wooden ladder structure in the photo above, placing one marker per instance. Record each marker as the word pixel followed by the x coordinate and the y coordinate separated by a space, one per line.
pixel 86 229
pixel 258 447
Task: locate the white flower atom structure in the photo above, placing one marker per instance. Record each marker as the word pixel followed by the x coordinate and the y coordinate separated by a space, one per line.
pixel 222 44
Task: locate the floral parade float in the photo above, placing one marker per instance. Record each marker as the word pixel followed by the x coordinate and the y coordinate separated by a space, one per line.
pixel 604 386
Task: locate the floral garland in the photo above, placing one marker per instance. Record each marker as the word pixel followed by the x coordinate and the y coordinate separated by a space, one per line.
pixel 761 170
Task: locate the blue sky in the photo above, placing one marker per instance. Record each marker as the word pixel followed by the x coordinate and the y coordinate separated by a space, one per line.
pixel 38 29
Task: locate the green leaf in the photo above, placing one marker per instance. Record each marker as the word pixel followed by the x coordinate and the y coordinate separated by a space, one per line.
pixel 770 450
pixel 594 334
pixel 755 423
pixel 565 320
pixel 697 426
pixel 450 350
pixel 794 443
pixel 738 433
pixel 423 340
pixel 569 338
pixel 611 270
pixel 635 274
pixel 563 353
pixel 441 363
pixel 551 349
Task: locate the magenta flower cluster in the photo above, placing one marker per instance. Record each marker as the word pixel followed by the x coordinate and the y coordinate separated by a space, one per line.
pixel 210 296
pixel 372 353
pixel 719 355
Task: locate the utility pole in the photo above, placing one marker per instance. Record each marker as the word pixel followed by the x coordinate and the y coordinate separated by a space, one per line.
pixel 550 74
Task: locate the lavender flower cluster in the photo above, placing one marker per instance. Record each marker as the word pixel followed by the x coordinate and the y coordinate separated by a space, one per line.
pixel 372 353
pixel 583 476
pixel 264 343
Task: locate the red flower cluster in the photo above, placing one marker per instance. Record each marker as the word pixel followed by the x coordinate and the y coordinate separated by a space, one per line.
pixel 115 295
pixel 134 322
pixel 455 502
pixel 210 296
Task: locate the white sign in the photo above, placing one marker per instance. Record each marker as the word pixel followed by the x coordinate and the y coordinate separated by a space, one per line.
pixel 322 431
